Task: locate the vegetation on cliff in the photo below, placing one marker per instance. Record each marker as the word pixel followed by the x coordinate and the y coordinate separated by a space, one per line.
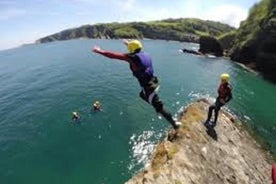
pixel 255 40
pixel 227 40
pixel 188 29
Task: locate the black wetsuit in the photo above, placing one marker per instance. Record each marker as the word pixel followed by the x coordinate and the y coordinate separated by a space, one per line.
pixel 141 67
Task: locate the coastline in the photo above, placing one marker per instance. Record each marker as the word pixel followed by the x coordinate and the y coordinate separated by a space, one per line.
pixel 249 67
pixel 228 158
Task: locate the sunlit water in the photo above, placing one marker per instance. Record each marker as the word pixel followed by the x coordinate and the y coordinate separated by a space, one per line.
pixel 42 84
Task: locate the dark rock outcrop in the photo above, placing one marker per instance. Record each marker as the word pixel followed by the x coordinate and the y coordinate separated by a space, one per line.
pixel 227 41
pixel 190 51
pixel 210 45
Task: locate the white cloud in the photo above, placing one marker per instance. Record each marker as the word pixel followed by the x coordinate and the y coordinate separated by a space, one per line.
pixel 131 11
pixel 129 4
pixel 84 1
pixel 10 13
pixel 126 5
pixel 228 14
pixel 147 15
pixel 7 3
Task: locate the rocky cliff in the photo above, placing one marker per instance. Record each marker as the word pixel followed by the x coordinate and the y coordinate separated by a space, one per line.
pixel 255 40
pixel 210 45
pixel 226 154
pixel 227 41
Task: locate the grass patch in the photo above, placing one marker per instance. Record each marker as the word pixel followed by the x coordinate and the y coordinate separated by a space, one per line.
pixel 164 152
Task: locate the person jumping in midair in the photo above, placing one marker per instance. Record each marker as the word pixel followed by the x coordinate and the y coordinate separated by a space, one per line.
pixel 140 64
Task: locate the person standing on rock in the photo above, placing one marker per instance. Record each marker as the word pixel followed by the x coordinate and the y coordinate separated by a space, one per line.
pixel 140 64
pixel 224 96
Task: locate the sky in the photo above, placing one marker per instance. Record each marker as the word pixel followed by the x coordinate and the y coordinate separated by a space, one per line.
pixel 24 21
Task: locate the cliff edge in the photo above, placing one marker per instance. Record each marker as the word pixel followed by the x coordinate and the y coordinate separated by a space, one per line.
pixel 228 154
pixel 254 43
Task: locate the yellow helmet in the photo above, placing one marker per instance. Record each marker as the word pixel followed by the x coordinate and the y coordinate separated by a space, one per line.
pixel 133 45
pixel 75 113
pixel 97 102
pixel 225 77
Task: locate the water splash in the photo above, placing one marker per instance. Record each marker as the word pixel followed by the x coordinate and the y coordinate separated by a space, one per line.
pixel 193 95
pixel 142 148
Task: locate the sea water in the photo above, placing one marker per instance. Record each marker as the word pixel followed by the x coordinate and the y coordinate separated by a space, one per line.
pixel 41 85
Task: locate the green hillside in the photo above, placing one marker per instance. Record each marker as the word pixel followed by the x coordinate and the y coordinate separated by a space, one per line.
pixel 255 41
pixel 188 29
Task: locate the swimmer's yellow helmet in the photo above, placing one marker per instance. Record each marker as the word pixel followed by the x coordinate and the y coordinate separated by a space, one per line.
pixel 133 45
pixel 225 77
pixel 75 113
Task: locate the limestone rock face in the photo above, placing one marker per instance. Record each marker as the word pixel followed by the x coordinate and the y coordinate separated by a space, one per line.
pixel 226 154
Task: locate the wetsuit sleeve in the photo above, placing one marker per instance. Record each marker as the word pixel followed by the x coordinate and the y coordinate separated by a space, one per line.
pixel 229 97
pixel 114 55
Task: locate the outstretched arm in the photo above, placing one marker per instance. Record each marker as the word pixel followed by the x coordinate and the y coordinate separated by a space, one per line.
pixel 110 54
pixel 229 97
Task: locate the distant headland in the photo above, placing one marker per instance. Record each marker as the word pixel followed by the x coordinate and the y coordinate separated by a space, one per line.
pixel 252 44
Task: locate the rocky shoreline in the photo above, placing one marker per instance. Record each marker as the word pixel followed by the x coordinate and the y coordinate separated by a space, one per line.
pixel 227 155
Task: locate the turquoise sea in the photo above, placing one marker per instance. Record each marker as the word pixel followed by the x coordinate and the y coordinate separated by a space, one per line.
pixel 42 84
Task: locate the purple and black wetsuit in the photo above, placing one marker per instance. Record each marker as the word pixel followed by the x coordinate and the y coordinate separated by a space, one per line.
pixel 140 64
